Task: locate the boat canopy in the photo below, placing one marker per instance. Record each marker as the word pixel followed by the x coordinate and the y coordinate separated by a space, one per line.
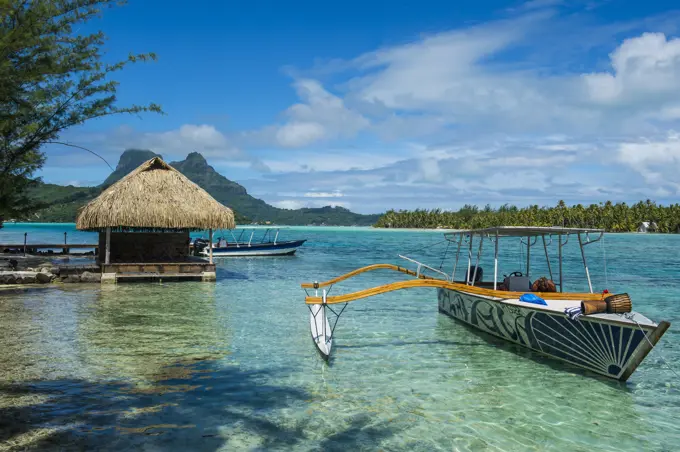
pixel 520 231
pixel 525 234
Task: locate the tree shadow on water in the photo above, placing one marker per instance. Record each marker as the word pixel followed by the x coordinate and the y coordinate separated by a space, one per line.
pixel 362 433
pixel 188 407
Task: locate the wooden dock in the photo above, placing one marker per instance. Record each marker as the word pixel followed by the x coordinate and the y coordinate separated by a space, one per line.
pixel 30 248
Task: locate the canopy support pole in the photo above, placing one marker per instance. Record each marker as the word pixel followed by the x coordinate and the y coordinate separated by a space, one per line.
pixel 559 247
pixel 585 264
pixel 495 263
pixel 237 239
pixel 528 255
pixel 467 275
pixel 210 245
pixel 455 264
pixel 479 253
pixel 547 259
pixel 107 257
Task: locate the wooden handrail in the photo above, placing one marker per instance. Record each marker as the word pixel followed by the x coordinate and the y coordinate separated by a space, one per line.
pixel 438 283
pixel 358 271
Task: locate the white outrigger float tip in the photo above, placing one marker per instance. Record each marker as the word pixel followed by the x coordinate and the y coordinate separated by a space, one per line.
pixel 595 331
pixel 322 333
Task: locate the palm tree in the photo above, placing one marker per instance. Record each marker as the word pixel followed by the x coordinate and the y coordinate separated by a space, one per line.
pixel 617 217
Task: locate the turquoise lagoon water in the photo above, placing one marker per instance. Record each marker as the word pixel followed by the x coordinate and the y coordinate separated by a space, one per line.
pixel 230 365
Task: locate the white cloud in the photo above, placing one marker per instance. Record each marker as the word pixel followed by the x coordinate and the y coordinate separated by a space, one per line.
pixel 173 145
pixel 461 82
pixel 202 135
pixel 333 160
pixel 202 138
pixel 291 204
pixel 503 171
pixel 561 147
pixel 658 161
pixel 518 180
pixel 299 204
pixel 533 161
pixel 298 134
pixel 645 70
pixel 429 170
pixel 320 116
pixel 536 4
pixel 324 194
pixel 436 71
pixel 646 153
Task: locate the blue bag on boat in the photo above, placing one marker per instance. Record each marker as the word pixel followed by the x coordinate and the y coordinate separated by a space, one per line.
pixel 531 298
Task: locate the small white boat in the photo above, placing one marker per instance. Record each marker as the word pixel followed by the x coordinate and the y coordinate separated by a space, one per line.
pixel 239 248
pixel 596 331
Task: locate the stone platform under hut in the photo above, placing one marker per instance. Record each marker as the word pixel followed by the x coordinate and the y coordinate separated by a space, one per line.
pixel 188 270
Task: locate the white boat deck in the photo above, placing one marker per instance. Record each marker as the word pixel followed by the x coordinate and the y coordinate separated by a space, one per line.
pixel 558 306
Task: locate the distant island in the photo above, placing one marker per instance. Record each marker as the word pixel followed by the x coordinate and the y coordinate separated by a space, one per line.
pixel 61 203
pixel 644 216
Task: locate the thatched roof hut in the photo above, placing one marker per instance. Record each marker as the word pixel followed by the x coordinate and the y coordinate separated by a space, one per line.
pixel 154 196
pixel 146 216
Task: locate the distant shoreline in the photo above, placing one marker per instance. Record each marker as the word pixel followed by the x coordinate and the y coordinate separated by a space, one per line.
pixel 311 227
pixel 247 226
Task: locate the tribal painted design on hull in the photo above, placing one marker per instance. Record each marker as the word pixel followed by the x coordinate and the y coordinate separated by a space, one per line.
pixel 605 348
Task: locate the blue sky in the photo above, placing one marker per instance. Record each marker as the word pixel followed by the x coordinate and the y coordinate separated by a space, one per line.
pixel 378 105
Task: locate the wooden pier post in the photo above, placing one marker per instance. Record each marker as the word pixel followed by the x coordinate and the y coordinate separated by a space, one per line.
pixel 25 236
pixel 107 259
pixel 210 245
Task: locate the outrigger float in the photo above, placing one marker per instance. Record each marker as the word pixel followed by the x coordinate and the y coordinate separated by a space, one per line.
pixel 595 331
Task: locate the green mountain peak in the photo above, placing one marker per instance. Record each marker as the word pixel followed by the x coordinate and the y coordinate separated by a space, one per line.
pixel 129 160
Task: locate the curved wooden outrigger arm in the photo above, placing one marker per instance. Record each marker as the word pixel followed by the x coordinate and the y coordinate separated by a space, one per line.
pixel 439 283
pixel 368 268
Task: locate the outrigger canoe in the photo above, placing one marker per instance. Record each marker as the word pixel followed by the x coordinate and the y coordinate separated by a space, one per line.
pixel 596 331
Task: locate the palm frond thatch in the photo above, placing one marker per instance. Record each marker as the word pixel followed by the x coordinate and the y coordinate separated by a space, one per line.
pixel 155 196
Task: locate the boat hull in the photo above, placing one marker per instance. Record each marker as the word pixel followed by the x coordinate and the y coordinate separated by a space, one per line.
pixel 258 249
pixel 610 347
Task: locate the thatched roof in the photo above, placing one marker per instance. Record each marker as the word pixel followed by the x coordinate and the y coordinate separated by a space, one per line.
pixel 155 196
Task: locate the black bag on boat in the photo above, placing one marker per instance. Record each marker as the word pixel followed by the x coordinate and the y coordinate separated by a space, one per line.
pixel 517 284
pixel 471 273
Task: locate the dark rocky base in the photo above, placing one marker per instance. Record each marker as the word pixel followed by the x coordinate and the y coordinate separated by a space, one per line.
pixel 45 276
pixel 34 269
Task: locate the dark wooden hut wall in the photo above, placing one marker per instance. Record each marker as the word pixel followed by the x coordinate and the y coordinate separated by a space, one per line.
pixel 145 246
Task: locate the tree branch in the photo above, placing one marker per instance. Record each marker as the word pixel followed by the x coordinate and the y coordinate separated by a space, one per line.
pixel 80 147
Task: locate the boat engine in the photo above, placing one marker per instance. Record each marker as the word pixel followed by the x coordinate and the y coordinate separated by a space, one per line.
pixel 199 245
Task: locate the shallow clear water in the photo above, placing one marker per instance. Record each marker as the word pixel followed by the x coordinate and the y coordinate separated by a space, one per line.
pixel 230 365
